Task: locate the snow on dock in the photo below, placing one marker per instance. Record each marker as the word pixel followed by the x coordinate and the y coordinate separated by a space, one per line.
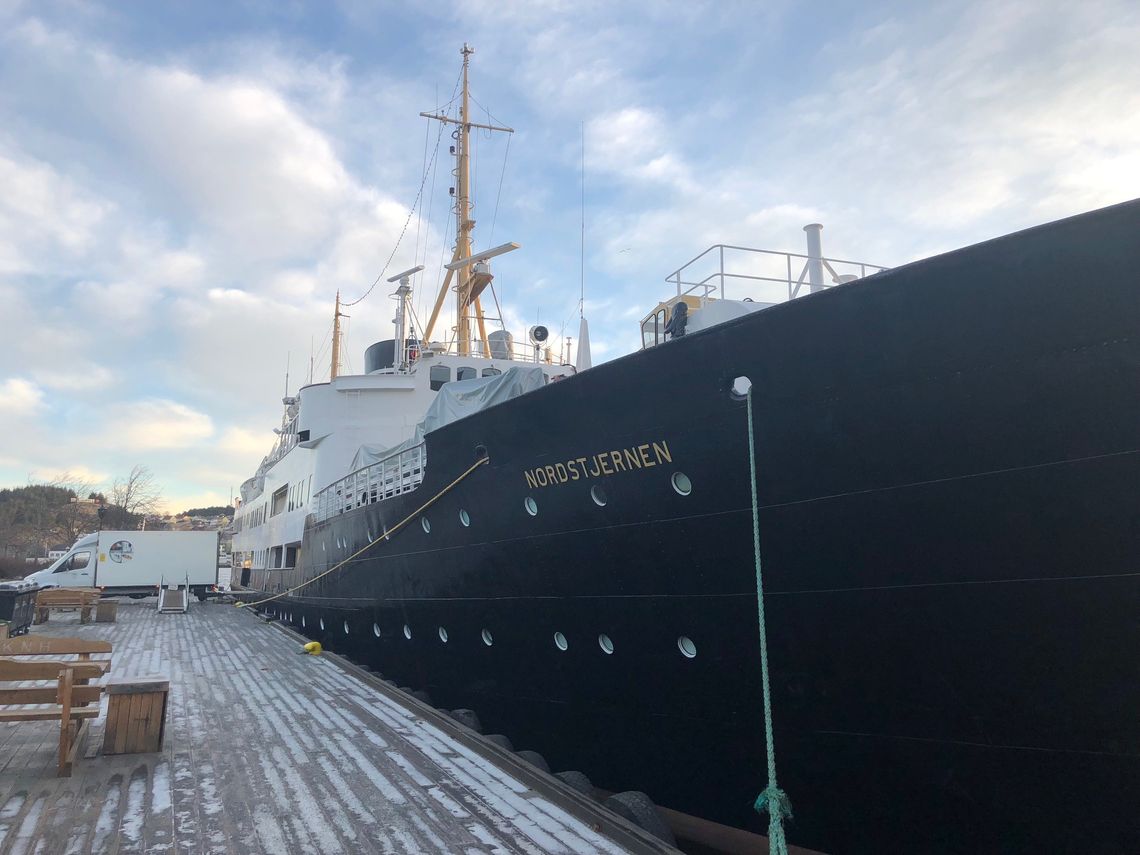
pixel 268 752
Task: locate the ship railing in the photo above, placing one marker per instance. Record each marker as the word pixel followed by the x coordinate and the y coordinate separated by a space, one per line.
pixel 515 351
pixel 395 475
pixel 724 271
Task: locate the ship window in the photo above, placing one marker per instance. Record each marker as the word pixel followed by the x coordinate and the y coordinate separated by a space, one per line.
pixel 376 629
pixel 322 624
pixel 443 635
pixel 466 373
pixel 407 632
pixel 346 627
pixel 439 375
pixel 649 332
pixel 491 372
pixel 686 646
pixel 531 506
pixel 278 501
pixel 464 517
pixel 598 495
pixel 605 643
pixel 560 641
pixel 425 523
pixel 291 556
pixel 487 637
pixel 682 484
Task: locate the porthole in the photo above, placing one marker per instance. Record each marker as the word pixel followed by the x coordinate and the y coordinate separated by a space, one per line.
pixel 302 621
pixel 560 641
pixel 425 523
pixel 740 387
pixel 376 629
pixel 464 517
pixel 605 643
pixel 488 639
pixel 407 632
pixel 443 635
pixel 531 506
pixel 686 646
pixel 322 624
pixel 346 627
pixel 682 484
pixel 598 495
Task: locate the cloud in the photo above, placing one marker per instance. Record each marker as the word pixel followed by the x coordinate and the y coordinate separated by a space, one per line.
pixel 20 398
pixel 43 214
pixel 155 424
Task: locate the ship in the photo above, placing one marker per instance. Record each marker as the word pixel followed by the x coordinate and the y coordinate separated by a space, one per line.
pixel 943 535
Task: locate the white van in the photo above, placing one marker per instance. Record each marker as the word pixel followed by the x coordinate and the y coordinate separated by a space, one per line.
pixel 137 562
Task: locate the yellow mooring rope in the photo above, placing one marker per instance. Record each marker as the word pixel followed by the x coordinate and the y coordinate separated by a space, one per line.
pixel 384 536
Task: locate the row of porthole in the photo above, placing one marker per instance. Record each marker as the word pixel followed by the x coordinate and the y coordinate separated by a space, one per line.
pixel 685 644
pixel 681 483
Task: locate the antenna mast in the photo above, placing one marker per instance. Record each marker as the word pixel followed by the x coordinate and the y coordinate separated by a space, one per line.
pixel 466 290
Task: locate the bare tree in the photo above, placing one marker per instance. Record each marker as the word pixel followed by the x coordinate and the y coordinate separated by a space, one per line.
pixel 76 517
pixel 137 494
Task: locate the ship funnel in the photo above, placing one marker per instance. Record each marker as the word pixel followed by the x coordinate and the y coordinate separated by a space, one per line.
pixel 815 257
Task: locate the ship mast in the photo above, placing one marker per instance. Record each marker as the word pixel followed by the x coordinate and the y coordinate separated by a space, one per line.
pixel 334 369
pixel 466 288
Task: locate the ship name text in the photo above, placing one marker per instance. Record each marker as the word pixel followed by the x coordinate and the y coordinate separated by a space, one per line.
pixel 642 456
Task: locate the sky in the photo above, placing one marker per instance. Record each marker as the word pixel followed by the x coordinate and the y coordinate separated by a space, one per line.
pixel 184 186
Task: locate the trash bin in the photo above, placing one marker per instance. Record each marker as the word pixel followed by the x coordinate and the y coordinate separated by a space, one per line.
pixel 18 605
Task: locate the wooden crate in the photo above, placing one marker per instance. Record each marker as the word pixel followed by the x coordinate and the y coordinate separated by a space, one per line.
pixel 136 715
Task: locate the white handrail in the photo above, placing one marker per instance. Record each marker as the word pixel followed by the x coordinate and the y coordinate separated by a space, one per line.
pixel 396 474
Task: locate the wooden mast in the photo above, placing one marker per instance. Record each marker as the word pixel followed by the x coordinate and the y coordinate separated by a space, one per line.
pixel 463 222
pixel 334 369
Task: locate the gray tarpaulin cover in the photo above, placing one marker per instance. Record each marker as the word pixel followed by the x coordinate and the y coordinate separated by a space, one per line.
pixel 456 400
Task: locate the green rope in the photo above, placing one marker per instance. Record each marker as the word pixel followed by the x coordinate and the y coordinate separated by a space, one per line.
pixel 773 799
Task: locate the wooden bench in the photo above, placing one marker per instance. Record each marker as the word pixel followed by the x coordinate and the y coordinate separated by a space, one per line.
pixel 66 599
pixel 70 701
pixel 55 647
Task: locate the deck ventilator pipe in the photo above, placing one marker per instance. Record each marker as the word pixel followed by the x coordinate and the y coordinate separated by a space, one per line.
pixel 387 535
pixel 773 799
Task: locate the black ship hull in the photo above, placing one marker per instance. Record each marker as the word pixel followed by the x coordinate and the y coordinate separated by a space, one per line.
pixel 948 459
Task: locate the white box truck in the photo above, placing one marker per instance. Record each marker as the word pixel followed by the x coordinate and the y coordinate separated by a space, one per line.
pixel 135 563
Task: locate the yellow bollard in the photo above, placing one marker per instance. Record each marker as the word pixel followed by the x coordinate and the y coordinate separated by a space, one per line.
pixel 313 648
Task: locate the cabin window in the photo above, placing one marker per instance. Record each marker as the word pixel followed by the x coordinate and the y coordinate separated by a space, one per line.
pixel 279 498
pixel 275 557
pixel 649 332
pixel 439 375
pixel 466 373
pixel 290 556
pixel 491 372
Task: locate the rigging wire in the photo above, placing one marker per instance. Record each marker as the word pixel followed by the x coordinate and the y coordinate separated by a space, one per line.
pixel 498 195
pixel 411 213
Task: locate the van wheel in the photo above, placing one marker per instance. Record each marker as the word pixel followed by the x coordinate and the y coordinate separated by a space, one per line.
pixel 137 596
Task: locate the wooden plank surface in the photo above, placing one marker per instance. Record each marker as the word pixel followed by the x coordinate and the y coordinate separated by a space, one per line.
pixel 264 752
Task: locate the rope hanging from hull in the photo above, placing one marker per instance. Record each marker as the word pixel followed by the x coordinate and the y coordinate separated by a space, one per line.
pixel 773 799
pixel 384 536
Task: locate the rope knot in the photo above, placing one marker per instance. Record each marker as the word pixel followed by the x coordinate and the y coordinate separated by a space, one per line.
pixel 775 802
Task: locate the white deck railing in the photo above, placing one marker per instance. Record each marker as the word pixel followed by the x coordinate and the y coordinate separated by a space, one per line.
pixel 400 473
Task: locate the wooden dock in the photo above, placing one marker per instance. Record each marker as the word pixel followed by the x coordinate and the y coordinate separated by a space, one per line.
pixel 267 752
